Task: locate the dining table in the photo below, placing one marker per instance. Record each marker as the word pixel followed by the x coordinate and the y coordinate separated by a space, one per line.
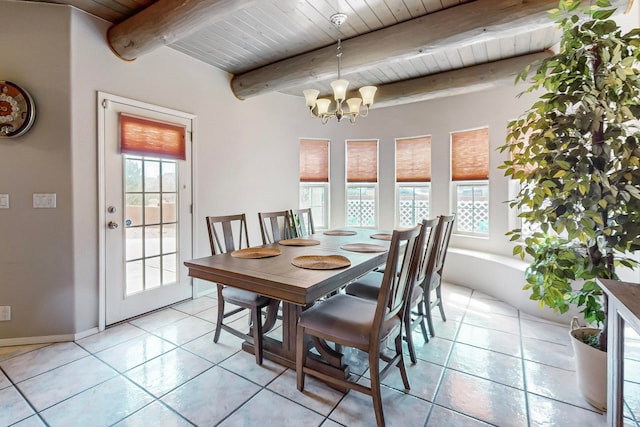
pixel 276 276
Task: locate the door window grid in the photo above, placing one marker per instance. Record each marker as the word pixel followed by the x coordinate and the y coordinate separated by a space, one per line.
pixel 151 223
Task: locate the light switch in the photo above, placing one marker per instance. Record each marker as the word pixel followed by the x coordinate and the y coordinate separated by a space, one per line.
pixel 4 201
pixel 44 200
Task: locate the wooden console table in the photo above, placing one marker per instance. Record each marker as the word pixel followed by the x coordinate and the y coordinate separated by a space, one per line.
pixel 623 309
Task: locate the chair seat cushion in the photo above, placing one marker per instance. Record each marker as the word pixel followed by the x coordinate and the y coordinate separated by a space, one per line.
pixel 346 319
pixel 366 286
pixel 241 297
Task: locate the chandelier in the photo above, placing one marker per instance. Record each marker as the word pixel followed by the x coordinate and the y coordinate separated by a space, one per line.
pixel 319 107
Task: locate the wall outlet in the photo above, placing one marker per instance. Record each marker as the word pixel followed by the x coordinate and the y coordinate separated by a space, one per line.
pixel 5 313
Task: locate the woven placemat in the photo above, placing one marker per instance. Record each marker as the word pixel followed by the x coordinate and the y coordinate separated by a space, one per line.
pixel 364 247
pixel 382 236
pixel 321 262
pixel 256 253
pixel 340 233
pixel 299 242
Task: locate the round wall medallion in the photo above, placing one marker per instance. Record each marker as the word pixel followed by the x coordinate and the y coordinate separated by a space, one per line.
pixel 17 110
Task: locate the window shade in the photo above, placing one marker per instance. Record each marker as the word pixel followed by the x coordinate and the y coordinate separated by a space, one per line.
pixel 470 155
pixel 362 161
pixel 314 160
pixel 146 137
pixel 413 159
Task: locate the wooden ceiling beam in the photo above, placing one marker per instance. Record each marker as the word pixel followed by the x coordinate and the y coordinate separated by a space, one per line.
pixel 456 82
pixel 166 22
pixel 464 24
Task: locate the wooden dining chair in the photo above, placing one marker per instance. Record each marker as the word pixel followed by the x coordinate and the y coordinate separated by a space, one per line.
pixel 432 283
pixel 368 286
pixel 226 234
pixel 302 220
pixel 350 321
pixel 276 226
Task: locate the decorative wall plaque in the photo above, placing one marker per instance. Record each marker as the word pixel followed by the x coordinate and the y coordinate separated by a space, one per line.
pixel 17 110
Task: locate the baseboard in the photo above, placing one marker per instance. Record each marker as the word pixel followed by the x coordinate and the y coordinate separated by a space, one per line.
pixel 48 339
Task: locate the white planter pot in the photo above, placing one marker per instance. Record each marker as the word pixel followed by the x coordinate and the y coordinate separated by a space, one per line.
pixel 591 369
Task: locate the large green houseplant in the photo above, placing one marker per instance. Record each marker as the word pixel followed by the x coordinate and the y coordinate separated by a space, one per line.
pixel 576 155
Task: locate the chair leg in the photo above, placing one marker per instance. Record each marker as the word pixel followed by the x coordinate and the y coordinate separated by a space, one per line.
pixel 301 357
pixel 409 338
pixel 272 315
pixel 423 326
pixel 428 308
pixel 440 305
pixel 256 318
pixel 403 368
pixel 216 336
pixel 376 393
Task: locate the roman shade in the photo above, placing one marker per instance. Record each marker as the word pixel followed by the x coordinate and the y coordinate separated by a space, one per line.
pixel 362 161
pixel 314 160
pixel 470 155
pixel 146 137
pixel 413 159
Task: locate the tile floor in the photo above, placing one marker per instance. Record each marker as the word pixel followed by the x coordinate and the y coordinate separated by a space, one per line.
pixel 488 365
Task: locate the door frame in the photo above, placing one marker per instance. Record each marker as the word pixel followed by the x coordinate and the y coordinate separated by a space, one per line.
pixel 103 103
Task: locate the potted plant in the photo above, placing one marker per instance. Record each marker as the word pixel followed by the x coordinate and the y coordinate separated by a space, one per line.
pixel 576 154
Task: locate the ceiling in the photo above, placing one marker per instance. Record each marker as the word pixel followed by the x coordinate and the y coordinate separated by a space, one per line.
pixel 411 49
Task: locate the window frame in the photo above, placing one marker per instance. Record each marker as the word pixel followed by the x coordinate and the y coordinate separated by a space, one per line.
pixel 413 184
pixel 358 184
pixel 308 185
pixel 455 184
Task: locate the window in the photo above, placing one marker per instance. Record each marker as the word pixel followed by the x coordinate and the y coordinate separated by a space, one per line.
pixel 413 179
pixel 470 180
pixel 362 183
pixel 314 179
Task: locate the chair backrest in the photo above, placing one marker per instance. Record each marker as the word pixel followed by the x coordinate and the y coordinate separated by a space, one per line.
pixel 276 226
pixel 428 233
pixel 445 227
pixel 439 252
pixel 225 231
pixel 396 285
pixel 303 222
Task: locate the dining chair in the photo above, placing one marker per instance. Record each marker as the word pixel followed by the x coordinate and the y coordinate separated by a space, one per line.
pixel 368 286
pixel 432 283
pixel 226 234
pixel 276 226
pixel 349 321
pixel 303 222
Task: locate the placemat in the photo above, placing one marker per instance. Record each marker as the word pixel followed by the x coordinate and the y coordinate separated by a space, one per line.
pixel 382 236
pixel 364 247
pixel 256 253
pixel 340 233
pixel 299 242
pixel 321 262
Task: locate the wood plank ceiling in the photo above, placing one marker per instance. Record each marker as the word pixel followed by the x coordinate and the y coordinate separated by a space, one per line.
pixel 253 40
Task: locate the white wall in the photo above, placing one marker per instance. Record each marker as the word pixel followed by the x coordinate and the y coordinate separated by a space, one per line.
pixel 246 156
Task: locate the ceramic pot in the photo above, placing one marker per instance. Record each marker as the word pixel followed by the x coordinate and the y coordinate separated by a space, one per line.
pixel 591 368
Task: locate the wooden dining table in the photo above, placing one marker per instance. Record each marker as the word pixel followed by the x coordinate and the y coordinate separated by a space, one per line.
pixel 276 277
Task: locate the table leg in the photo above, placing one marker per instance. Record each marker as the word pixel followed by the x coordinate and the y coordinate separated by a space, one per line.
pixel 284 352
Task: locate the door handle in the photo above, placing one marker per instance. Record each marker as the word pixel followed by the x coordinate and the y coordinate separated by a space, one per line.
pixel 112 225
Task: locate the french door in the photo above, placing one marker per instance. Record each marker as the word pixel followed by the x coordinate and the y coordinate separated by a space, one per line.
pixel 146 220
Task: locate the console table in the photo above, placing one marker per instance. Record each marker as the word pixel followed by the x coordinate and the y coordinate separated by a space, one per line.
pixel 623 309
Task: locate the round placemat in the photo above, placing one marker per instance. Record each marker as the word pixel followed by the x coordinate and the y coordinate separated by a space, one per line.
pixel 364 247
pixel 382 236
pixel 256 253
pixel 340 233
pixel 299 242
pixel 321 262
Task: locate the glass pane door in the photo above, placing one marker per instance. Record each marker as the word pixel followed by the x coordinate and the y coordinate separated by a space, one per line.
pixel 151 223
